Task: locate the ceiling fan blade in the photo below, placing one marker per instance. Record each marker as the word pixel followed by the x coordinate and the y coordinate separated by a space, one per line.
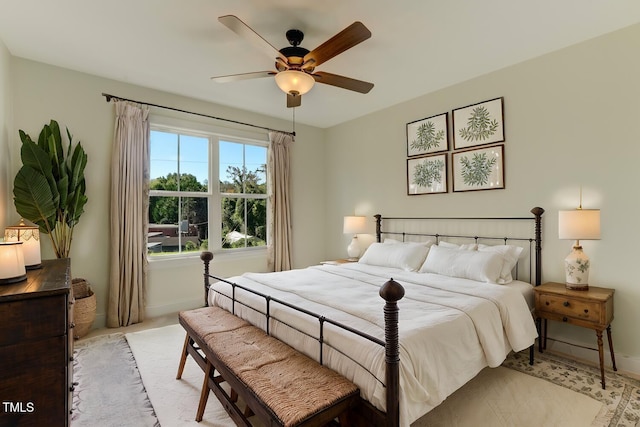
pixel 343 82
pixel 349 37
pixel 233 23
pixel 294 100
pixel 242 76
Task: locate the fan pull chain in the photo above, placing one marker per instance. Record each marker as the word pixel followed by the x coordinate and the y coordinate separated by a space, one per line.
pixel 294 120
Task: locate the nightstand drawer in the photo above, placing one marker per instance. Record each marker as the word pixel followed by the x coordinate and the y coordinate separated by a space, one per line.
pixel 584 310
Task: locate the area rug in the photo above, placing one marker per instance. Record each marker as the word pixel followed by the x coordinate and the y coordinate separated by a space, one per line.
pixel 621 396
pixel 554 392
pixel 109 391
pixel 157 352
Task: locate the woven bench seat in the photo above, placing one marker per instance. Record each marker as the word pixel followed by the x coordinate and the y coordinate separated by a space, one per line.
pixel 280 386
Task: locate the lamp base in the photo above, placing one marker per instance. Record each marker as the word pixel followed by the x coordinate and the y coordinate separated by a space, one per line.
pixel 576 267
pixel 574 287
pixel 11 280
pixel 33 267
pixel 354 249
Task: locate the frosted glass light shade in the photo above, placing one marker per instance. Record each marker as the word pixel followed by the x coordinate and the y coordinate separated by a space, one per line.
pixel 293 81
pixel 11 263
pixel 30 236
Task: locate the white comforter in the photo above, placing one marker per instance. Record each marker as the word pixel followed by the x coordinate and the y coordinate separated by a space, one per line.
pixel 450 328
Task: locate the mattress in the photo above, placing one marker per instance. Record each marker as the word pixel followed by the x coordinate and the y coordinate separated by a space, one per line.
pixel 450 328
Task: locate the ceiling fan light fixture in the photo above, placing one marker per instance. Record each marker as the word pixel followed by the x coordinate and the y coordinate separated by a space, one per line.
pixel 290 81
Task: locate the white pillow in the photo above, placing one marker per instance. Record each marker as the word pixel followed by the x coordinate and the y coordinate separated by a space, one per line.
pixel 510 255
pixel 466 247
pixel 474 265
pixel 407 256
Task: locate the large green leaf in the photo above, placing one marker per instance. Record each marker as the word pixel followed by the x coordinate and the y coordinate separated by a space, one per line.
pixel 34 156
pixel 33 198
pixel 77 165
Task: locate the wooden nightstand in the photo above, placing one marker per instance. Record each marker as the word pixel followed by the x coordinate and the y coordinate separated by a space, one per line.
pixel 591 309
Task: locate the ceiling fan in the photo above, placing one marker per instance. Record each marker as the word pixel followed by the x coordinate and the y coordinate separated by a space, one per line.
pixel 295 65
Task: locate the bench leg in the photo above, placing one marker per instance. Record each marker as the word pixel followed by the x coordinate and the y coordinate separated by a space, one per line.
pixel 204 395
pixel 183 358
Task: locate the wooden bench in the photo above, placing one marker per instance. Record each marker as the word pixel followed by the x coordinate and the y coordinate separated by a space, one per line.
pixel 279 385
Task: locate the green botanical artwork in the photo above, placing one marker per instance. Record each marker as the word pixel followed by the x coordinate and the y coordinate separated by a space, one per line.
pixel 427 137
pixel 479 125
pixel 427 173
pixel 476 171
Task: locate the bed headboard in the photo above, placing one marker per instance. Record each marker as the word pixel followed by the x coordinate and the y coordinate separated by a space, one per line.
pixel 521 231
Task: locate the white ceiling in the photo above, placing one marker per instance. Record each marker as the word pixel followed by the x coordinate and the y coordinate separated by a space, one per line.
pixel 417 46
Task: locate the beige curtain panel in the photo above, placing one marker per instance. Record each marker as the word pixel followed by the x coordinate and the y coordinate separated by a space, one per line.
pixel 128 215
pixel 278 193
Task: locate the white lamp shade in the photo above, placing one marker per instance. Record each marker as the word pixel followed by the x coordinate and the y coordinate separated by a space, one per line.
pixel 293 81
pixel 355 224
pixel 12 267
pixel 579 224
pixel 30 236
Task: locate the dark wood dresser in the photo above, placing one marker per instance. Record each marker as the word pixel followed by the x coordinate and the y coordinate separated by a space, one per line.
pixel 36 347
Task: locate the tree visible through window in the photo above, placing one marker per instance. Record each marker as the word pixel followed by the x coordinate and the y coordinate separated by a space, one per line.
pixel 182 204
pixel 244 192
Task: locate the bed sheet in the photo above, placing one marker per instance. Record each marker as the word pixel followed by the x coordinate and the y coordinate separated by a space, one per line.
pixel 450 328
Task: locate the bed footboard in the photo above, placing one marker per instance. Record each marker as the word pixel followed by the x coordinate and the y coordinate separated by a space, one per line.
pixel 365 414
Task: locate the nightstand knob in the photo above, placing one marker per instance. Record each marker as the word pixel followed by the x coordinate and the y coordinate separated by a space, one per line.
pixel 546 303
pixel 566 303
pixel 564 319
pixel 586 311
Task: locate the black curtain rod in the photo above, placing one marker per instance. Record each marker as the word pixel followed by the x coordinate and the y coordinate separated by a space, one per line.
pixel 110 97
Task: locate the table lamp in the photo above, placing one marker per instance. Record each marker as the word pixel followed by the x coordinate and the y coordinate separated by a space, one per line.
pixel 354 225
pixel 12 268
pixel 578 224
pixel 29 234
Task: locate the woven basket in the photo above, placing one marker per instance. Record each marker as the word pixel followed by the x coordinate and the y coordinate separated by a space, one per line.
pixel 84 309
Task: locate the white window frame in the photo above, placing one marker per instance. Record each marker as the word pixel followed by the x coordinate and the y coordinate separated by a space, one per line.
pixel 214 134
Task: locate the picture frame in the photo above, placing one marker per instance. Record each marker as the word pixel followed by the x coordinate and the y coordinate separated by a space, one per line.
pixel 478 124
pixel 429 135
pixel 427 175
pixel 478 169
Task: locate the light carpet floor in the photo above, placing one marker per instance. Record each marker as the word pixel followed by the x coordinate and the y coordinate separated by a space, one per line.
pixel 496 397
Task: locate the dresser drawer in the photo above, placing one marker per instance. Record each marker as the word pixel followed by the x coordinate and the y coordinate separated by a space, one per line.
pixel 33 318
pixel 33 374
pixel 590 311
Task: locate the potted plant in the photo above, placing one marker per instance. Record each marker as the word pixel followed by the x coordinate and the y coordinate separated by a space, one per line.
pixel 49 190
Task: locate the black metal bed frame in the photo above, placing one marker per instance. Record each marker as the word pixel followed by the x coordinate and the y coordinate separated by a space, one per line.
pixel 391 292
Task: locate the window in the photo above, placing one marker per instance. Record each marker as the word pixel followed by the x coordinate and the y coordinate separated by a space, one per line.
pixel 185 198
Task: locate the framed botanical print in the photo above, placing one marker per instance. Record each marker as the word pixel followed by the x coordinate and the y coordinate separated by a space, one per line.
pixel 478 169
pixel 428 135
pixel 427 175
pixel 478 124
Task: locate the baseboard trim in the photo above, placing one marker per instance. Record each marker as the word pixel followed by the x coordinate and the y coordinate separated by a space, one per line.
pixel 624 363
pixel 161 310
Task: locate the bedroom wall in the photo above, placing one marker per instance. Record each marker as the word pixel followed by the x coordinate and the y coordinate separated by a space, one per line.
pixel 570 120
pixel 42 92
pixel 5 125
